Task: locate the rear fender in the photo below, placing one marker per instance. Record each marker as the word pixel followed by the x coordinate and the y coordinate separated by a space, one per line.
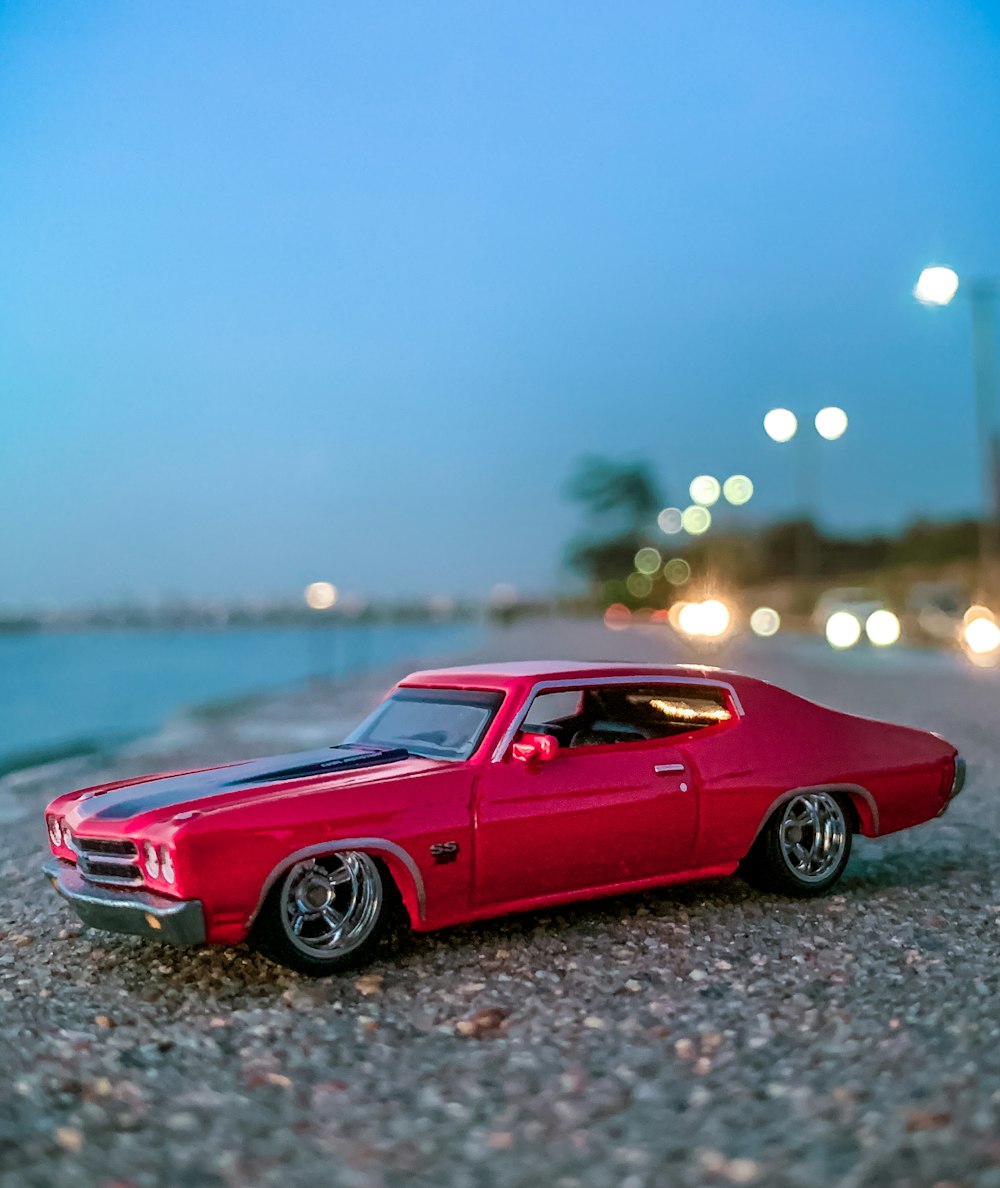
pixel 862 801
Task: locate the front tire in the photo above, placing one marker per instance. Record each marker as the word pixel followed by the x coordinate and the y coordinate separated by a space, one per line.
pixel 329 915
pixel 803 848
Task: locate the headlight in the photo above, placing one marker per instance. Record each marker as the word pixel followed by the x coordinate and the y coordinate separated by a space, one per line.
pixel 843 630
pixel 710 619
pixel 152 860
pixel 981 635
pixel 56 834
pixel 882 628
pixel 166 864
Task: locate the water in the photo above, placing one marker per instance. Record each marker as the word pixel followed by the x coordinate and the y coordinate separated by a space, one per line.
pixel 63 693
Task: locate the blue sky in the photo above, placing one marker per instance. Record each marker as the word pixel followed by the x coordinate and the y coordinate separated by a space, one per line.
pixel 331 290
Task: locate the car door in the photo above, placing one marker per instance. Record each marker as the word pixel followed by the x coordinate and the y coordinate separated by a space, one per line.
pixel 590 817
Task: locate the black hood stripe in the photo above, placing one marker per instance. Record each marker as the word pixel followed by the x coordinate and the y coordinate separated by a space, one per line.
pixel 177 790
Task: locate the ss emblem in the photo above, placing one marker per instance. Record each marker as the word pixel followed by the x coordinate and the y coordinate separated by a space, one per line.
pixel 443 852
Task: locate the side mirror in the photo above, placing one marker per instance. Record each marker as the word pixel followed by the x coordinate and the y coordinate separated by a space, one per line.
pixel 534 748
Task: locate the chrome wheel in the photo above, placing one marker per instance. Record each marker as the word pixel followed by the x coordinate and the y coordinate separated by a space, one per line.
pixel 330 906
pixel 812 836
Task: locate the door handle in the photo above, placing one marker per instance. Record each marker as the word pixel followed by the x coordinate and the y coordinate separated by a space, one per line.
pixel 663 768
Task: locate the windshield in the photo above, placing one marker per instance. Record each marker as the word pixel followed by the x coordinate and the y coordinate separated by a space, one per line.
pixel 434 723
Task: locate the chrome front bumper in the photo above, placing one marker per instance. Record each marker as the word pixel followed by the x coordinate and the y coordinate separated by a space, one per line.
pixel 140 913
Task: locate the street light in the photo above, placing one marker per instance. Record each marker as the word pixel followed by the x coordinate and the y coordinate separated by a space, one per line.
pixel 781 425
pixel 938 285
pixel 320 597
pixel 831 423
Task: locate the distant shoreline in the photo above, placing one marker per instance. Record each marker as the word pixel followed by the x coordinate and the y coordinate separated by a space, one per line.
pixel 87 695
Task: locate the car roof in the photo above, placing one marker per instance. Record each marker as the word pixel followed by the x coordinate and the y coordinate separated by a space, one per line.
pixel 519 672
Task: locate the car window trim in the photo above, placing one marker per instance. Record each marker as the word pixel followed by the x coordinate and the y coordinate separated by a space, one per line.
pixel 599 682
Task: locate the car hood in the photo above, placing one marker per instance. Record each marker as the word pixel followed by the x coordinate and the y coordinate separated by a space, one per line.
pixel 235 782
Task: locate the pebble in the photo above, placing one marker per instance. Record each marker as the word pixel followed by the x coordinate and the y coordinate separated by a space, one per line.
pixel 69 1139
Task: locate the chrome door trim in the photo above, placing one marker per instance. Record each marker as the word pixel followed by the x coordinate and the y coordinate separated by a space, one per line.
pixel 590 682
pixel 663 768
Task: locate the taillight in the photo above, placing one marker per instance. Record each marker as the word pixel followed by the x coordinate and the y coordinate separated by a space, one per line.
pixel 958 778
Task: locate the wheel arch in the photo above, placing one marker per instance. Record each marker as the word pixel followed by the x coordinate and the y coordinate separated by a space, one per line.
pixel 402 869
pixel 862 803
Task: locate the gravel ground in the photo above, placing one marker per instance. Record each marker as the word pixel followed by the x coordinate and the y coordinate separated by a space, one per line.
pixel 701 1035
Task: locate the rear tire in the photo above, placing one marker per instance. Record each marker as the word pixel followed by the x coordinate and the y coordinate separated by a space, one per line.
pixel 329 915
pixel 803 848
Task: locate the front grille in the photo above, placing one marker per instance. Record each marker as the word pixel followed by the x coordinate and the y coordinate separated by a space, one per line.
pixel 103 860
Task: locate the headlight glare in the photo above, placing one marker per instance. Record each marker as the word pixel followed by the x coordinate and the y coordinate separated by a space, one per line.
pixel 151 859
pixel 167 864
pixel 843 629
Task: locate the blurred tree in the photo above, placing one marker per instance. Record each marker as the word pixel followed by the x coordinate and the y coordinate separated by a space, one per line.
pixel 926 542
pixel 620 501
pixel 608 488
pixel 780 544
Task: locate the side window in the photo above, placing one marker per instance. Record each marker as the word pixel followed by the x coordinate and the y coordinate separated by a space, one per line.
pixel 629 713
pixel 676 710
pixel 548 710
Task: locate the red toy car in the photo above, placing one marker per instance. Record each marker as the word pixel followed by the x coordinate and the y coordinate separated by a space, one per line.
pixel 471 792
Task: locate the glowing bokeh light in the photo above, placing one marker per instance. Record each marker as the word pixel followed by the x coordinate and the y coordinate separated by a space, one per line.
pixel 639 584
pixel 689 618
pixel 831 422
pixel 780 424
pixel 441 605
pixel 696 519
pixel 982 635
pixel 710 618
pixel 677 571
pixel 737 489
pixel 503 594
pixel 882 628
pixel 617 617
pixel 715 617
pixel 843 630
pixel 936 285
pixel 320 595
pixel 669 521
pixel 765 621
pixel 674 612
pixel 648 560
pixel 705 490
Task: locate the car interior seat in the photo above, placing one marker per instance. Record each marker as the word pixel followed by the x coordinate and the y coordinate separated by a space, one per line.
pixel 603 731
